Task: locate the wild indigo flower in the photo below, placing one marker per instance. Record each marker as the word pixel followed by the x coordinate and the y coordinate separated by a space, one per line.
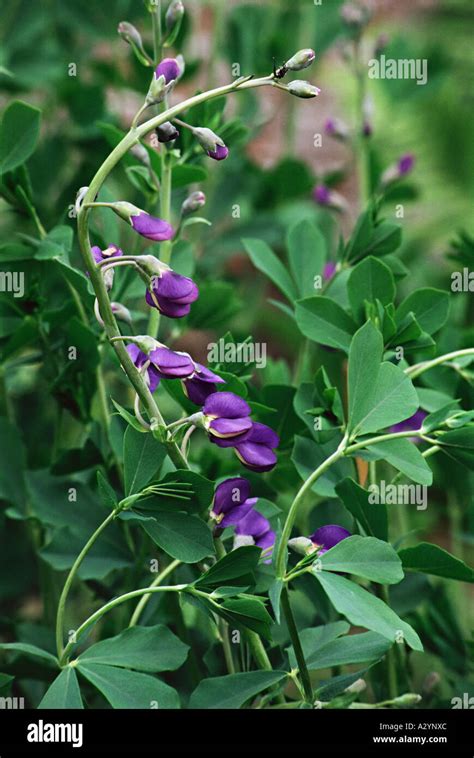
pixel 328 198
pixel 303 89
pixel 232 501
pixel 328 536
pixel 300 60
pixel 254 529
pixel 172 293
pixel 336 128
pixel 193 202
pixel 211 143
pixel 226 418
pixel 329 270
pixel 167 132
pixel 110 252
pixel 414 422
pixel 151 227
pixel 163 364
pixel 255 451
pixel 201 384
pixel 399 170
pixel 169 68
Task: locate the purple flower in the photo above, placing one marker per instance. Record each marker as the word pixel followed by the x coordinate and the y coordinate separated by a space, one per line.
pixel 232 501
pixel 152 228
pixel 329 270
pixel 169 68
pixel 226 418
pixel 255 451
pixel 220 153
pixel 201 384
pixel 414 422
pixel 322 194
pixel 110 252
pixel 405 164
pixel 254 529
pixel 163 364
pixel 166 132
pixel 327 536
pixel 336 128
pixel 172 294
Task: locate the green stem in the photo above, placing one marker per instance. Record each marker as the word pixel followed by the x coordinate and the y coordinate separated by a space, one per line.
pixel 110 606
pixel 157 34
pixel 391 662
pixel 420 368
pixel 155 583
pixel 290 519
pixel 70 579
pixel 293 630
pixel 165 214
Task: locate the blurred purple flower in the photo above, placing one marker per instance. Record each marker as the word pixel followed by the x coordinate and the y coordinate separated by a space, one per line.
pixel 220 153
pixel 256 450
pixel 322 194
pixel 232 501
pixel 328 536
pixel 405 164
pixel 414 423
pixel 172 294
pixel 329 270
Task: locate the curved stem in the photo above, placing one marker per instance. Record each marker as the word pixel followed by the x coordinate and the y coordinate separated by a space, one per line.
pixel 293 630
pixel 290 519
pixel 110 606
pixel 155 583
pixel 382 438
pixel 70 579
pixel 420 368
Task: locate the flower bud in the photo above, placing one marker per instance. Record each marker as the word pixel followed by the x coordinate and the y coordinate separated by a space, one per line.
pixel 211 143
pixel 174 15
pixel 336 128
pixel 302 89
pixel 140 152
pixel 398 171
pixel 328 198
pixel 121 312
pixel 193 202
pixel 301 545
pixel 148 226
pixel 358 686
pixel 300 60
pixel 406 700
pixel 168 68
pixel 146 343
pixel 166 132
pixel 131 35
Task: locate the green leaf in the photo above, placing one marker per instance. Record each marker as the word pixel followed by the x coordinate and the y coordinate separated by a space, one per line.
pixel 64 692
pixel 307 254
pixel 307 455
pixel 249 612
pixel 354 648
pixel 144 648
pixel 129 418
pixel 235 565
pixel 181 536
pixel 109 553
pixel 143 456
pixel 224 692
pixel 430 307
pixel 431 559
pixel 370 280
pixel 265 260
pixel 380 394
pixel 371 517
pixel 19 132
pixel 367 557
pixel 129 689
pixel 56 244
pixel 172 494
pixel 364 609
pixel 458 444
pixel 405 457
pixel 322 320
pixel 316 638
pixel 32 651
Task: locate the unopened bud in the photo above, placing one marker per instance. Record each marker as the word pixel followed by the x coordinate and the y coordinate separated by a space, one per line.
pixel 211 143
pixel 336 128
pixel 358 686
pixel 302 89
pixel 399 170
pixel 301 545
pixel 329 198
pixel 121 312
pixel 300 60
pixel 140 152
pixel 193 202
pixel 408 699
pixel 174 15
pixel 167 132
pixel 130 34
